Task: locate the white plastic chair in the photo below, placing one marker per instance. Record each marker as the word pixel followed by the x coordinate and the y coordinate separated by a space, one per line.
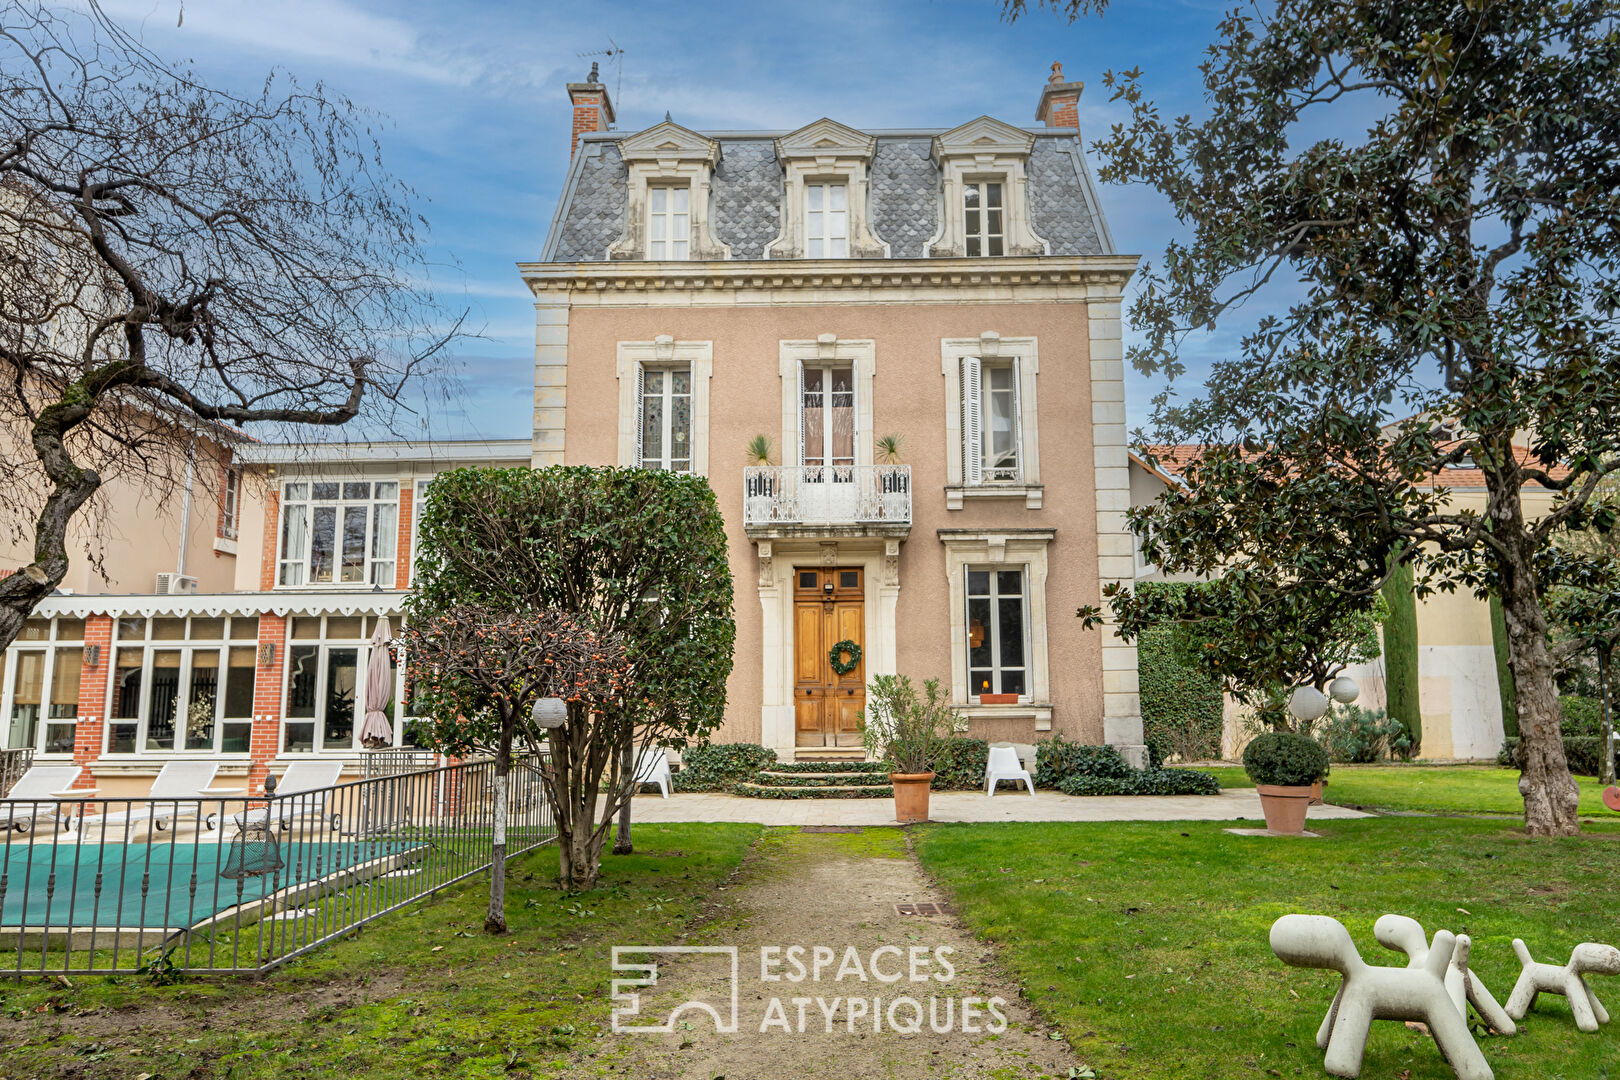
pixel 1004 765
pixel 179 780
pixel 300 778
pixel 653 768
pixel 31 796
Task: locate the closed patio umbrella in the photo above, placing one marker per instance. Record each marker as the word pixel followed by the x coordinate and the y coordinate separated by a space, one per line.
pixel 374 731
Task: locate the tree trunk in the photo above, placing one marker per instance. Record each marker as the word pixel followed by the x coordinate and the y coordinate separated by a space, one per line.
pixel 573 784
pixel 627 766
pixel 581 856
pixel 1551 797
pixel 495 918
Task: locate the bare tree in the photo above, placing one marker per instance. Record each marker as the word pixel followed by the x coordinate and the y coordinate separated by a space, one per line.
pixel 173 255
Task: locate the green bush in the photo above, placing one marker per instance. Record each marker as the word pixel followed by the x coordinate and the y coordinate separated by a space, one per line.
pixel 1147 782
pixel 1361 736
pixel 1057 759
pixel 961 765
pixel 1286 759
pixel 1584 753
pixel 1181 703
pixel 721 766
pixel 1581 715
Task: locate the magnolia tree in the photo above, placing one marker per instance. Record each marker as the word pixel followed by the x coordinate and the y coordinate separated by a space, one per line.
pixel 1585 609
pixel 478 673
pixel 1421 204
pixel 637 555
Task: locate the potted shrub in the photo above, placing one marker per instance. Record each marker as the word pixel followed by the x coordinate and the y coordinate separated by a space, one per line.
pixel 761 486
pixel 893 484
pixel 1283 766
pixel 910 733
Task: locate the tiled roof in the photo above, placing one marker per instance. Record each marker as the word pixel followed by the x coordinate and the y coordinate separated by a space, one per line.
pixel 904 197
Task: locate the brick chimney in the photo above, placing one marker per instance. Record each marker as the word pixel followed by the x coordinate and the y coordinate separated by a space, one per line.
pixel 593 111
pixel 1060 101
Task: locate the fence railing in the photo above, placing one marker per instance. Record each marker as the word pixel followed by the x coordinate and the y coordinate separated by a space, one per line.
pixel 236 883
pixel 13 763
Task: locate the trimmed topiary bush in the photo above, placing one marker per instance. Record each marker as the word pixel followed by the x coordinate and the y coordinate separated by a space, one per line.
pixel 1057 759
pixel 1285 759
pixel 1148 782
pixel 721 766
pixel 1181 703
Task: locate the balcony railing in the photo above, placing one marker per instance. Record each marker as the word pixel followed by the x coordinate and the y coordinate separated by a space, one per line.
pixel 826 495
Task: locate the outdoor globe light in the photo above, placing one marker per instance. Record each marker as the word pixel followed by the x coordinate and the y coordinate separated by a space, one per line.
pixel 549 712
pixel 1344 690
pixel 1308 704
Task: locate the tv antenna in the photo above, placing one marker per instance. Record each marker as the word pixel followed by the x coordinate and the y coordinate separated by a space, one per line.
pixel 614 55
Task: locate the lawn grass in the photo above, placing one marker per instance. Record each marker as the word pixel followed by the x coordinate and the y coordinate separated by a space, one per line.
pixel 1445 789
pixel 421 993
pixel 1147 944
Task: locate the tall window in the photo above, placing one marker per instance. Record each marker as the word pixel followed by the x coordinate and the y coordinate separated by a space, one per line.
pixel 183 684
pixel 826 221
pixel 991 425
pixel 326 661
pixel 981 217
pixel 339 532
pixel 229 503
pixel 998 648
pixel 827 418
pixel 41 690
pixel 664 430
pixel 669 222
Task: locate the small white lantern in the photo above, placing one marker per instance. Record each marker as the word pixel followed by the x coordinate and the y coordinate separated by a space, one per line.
pixel 549 712
pixel 1308 704
pixel 1344 690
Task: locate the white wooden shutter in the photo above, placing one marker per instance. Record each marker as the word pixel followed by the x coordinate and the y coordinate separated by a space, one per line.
pixel 1018 418
pixel 640 410
pixel 972 421
pixel 803 439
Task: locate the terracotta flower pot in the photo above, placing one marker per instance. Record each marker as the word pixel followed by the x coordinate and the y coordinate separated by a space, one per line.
pixel 1316 793
pixel 911 796
pixel 1284 807
pixel 998 699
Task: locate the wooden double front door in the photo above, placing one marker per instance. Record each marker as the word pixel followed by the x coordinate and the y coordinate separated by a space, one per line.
pixel 829 606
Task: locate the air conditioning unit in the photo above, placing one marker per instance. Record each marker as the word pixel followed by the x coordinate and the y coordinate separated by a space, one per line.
pixel 175 584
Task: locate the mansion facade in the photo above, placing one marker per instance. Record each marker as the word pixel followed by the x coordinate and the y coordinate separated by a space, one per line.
pixel 895 355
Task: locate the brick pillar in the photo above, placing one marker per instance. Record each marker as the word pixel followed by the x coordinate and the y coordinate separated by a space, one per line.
pixel 1060 101
pixel 593 111
pixel 266 740
pixel 88 732
pixel 402 545
pixel 268 565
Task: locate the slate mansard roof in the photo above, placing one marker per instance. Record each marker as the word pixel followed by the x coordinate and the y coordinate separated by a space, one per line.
pixel 904 195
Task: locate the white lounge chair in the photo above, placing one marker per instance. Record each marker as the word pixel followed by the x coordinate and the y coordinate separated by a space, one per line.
pixel 1004 765
pixel 182 781
pixel 306 779
pixel 653 768
pixel 32 796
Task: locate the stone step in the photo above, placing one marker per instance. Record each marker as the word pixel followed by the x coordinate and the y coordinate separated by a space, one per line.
pixel 830 753
pixel 774 778
pixel 843 767
pixel 764 791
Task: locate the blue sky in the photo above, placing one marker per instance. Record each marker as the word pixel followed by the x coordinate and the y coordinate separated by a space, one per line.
pixel 478 118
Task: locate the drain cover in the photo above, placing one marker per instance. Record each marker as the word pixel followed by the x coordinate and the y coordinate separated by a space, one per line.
pixel 830 828
pixel 922 909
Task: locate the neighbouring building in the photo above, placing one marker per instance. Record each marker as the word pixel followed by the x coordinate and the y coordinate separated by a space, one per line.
pixel 922 328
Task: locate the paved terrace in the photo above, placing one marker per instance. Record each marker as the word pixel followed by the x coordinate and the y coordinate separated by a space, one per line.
pixel 1232 804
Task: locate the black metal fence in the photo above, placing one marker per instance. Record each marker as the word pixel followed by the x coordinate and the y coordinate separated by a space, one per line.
pixel 243 884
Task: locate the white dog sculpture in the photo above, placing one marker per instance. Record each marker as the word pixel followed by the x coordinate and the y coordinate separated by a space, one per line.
pixel 1569 980
pixel 1417 992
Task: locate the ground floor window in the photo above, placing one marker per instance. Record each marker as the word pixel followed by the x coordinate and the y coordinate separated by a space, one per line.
pixel 327 657
pixel 183 685
pixel 997 638
pixel 41 688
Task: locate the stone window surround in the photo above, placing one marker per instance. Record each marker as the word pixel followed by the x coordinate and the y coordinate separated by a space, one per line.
pixel 665 351
pixel 861 354
pixel 844 157
pixel 991 548
pixel 668 155
pixel 999 154
pixel 991 346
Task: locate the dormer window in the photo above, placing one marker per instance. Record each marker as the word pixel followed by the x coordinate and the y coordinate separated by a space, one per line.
pixel 982 217
pixel 825 168
pixel 669 222
pixel 826 221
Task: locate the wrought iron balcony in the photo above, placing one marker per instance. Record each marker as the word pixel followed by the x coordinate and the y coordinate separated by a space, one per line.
pixel 781 500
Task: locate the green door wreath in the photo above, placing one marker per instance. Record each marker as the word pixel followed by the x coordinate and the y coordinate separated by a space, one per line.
pixel 839 651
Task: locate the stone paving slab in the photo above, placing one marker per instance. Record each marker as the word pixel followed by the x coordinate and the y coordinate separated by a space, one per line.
pixel 1232 804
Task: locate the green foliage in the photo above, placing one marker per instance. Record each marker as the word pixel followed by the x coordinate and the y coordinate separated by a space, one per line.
pixel 909 732
pixel 1057 759
pixel 709 766
pixel 1355 735
pixel 1505 690
pixel 961 766
pixel 1145 782
pixel 759 449
pixel 1285 758
pixel 1584 753
pixel 1182 704
pixel 1401 654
